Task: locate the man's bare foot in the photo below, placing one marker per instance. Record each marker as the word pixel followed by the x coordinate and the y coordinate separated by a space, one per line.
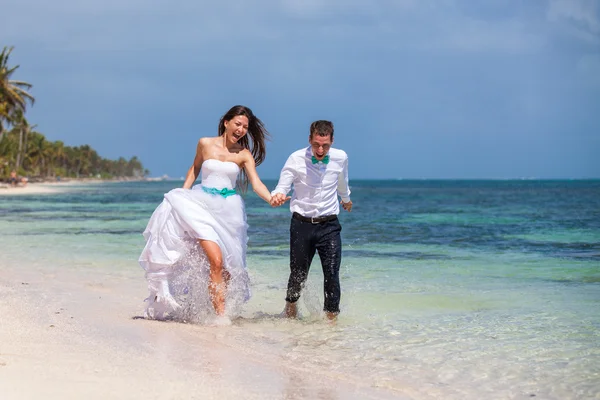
pixel 290 310
pixel 331 316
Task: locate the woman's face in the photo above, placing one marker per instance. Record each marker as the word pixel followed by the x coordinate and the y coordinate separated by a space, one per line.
pixel 236 128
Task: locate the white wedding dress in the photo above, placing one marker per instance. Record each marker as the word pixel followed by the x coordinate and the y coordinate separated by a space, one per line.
pixel 176 268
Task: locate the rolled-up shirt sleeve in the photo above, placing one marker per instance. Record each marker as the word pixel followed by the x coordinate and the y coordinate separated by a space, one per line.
pixel 286 178
pixel 343 188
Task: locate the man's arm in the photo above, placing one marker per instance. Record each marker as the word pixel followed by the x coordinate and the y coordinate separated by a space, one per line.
pixel 343 187
pixel 286 178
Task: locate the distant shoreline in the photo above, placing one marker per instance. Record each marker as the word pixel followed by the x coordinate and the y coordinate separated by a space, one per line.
pixel 56 186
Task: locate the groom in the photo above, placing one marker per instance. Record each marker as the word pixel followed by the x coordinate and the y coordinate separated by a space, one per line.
pixel 319 173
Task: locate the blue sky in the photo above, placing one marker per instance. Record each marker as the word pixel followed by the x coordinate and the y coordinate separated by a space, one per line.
pixel 416 88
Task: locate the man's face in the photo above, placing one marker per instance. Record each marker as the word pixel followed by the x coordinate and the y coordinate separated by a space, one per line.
pixel 320 145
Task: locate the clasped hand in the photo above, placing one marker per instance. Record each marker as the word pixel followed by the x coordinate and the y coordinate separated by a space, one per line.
pixel 278 199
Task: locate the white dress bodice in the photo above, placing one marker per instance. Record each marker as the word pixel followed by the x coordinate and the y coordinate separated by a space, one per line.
pixel 219 174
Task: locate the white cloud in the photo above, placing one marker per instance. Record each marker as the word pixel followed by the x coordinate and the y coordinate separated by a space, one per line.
pixel 584 12
pixel 581 18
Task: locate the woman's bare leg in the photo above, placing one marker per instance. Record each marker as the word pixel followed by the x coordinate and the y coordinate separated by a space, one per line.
pixel 218 284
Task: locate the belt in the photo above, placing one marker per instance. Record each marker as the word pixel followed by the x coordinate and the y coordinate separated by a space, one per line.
pixel 223 192
pixel 314 220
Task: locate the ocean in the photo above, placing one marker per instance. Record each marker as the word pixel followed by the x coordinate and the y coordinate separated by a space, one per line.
pixel 450 289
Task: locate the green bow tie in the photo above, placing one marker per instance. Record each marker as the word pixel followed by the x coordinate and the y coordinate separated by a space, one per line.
pixel 325 159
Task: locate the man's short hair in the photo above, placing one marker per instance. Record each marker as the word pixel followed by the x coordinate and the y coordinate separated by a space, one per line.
pixel 321 128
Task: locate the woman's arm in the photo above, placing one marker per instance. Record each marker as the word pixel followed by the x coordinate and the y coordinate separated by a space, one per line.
pixel 194 170
pixel 259 188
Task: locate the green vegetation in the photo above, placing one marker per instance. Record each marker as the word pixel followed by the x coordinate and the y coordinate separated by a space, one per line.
pixel 28 152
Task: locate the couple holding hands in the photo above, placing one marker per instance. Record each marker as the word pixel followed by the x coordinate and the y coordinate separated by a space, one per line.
pixel 196 239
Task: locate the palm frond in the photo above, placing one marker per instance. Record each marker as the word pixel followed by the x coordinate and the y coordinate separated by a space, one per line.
pixel 21 83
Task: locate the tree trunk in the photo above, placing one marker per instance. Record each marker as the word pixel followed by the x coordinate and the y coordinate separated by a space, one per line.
pixel 25 147
pixel 18 163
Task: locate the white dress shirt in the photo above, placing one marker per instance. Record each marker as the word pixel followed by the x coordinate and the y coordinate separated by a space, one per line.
pixel 316 186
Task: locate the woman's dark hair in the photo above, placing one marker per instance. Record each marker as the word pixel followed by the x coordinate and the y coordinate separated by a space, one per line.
pixel 256 131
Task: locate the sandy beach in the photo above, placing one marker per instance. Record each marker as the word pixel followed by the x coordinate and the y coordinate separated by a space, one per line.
pixel 32 188
pixel 78 333
pixel 40 188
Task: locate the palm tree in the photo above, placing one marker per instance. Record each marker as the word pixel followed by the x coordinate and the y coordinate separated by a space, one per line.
pixel 38 154
pixel 85 160
pixel 13 94
pixel 58 157
pixel 23 127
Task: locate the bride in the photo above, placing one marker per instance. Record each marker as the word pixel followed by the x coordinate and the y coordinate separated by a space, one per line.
pixel 195 252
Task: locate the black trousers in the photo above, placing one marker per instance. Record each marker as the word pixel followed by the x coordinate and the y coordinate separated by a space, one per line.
pixel 305 239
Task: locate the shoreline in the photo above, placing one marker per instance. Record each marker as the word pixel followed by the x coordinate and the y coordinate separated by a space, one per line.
pixel 50 187
pixel 33 188
pixel 38 188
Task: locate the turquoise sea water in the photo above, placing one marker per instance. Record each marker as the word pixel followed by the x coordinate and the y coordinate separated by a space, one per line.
pixel 450 289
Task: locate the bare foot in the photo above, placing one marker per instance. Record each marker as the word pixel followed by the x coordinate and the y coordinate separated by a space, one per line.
pixel 290 310
pixel 331 316
pixel 217 297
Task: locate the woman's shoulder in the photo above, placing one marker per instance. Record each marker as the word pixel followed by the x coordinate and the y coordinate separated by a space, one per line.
pixel 245 155
pixel 205 140
pixel 205 143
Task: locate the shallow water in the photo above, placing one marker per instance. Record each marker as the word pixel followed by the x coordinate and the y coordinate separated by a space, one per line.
pixel 451 289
